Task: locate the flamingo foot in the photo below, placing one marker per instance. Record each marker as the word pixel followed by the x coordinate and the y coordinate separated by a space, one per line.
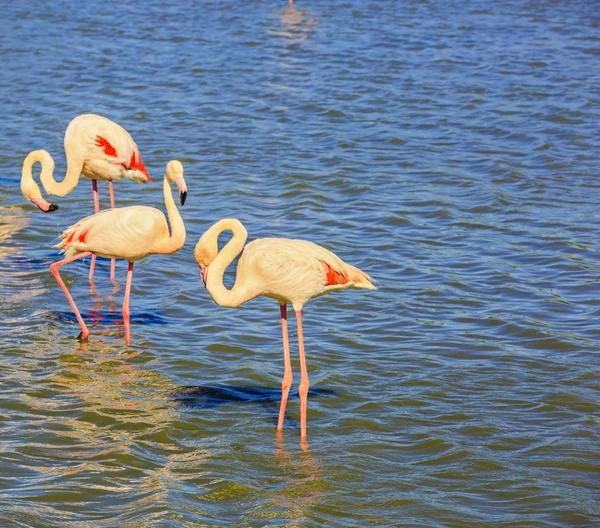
pixel 304 445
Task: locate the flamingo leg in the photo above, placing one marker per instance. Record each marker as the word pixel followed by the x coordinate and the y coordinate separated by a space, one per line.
pixel 304 384
pixel 287 376
pixel 54 270
pixel 96 210
pixel 111 193
pixel 126 302
pixel 96 199
pixel 112 261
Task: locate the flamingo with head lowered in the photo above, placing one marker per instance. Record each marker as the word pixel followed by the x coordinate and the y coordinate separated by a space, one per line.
pixel 286 270
pixel 129 233
pixel 95 147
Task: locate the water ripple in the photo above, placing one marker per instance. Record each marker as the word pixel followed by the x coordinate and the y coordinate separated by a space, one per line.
pixel 450 150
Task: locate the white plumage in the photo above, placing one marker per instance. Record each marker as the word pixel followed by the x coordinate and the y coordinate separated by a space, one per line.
pixel 287 270
pixel 129 233
pixel 296 271
pixel 108 151
pixel 95 147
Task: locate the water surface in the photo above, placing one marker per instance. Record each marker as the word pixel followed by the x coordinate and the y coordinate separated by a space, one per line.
pixel 451 150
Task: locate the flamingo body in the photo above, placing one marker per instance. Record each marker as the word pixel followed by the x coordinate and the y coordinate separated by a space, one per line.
pixel 95 147
pixel 296 271
pixel 106 148
pixel 283 269
pixel 129 233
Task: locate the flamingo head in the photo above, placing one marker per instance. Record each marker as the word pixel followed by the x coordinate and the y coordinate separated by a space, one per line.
pixel 205 252
pixel 174 174
pixel 29 188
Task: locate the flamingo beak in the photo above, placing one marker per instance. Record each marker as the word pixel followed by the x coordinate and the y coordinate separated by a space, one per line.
pixel 182 189
pixel 203 273
pixel 44 205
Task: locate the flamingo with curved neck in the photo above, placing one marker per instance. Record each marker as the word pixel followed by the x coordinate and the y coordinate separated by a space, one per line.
pixel 129 233
pixel 96 147
pixel 286 270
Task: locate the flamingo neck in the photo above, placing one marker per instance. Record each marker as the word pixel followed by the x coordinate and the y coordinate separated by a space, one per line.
pixel 239 294
pixel 177 239
pixel 31 189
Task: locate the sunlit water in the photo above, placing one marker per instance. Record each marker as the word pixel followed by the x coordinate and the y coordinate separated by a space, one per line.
pixel 449 149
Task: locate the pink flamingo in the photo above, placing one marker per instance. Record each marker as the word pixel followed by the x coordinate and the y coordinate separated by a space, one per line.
pixel 95 147
pixel 293 271
pixel 129 233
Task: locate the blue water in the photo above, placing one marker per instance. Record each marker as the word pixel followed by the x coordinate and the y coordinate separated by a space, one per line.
pixel 451 150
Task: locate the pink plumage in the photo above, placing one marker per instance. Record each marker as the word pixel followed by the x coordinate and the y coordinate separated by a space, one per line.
pixel 129 233
pixel 295 271
pixel 96 147
pixel 283 269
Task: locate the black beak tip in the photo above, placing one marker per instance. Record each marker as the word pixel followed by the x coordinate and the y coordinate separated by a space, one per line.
pixel 52 208
pixel 182 197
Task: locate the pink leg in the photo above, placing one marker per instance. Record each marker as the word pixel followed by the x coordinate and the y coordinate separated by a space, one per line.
pixel 111 193
pixel 287 376
pixel 54 269
pixel 96 210
pixel 112 205
pixel 126 302
pixel 304 384
pixel 91 275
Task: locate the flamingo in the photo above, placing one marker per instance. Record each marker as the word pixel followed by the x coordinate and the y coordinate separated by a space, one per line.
pixel 95 147
pixel 293 271
pixel 129 233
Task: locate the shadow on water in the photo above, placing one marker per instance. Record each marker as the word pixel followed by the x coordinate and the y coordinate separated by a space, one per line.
pixel 208 396
pixel 108 318
pixel 201 397
pixel 25 262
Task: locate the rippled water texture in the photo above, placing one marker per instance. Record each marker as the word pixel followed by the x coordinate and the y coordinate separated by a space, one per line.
pixel 450 149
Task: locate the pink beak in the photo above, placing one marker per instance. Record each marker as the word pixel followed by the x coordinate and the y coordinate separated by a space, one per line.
pixel 203 273
pixel 44 205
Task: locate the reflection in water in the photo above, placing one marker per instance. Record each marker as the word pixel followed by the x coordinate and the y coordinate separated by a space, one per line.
pixel 302 482
pixel 106 318
pixel 297 26
pixel 95 316
pixel 14 220
pixel 117 429
pixel 14 268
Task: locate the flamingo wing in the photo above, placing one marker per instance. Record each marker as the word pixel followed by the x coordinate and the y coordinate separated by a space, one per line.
pixel 110 151
pixel 297 267
pixel 129 233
